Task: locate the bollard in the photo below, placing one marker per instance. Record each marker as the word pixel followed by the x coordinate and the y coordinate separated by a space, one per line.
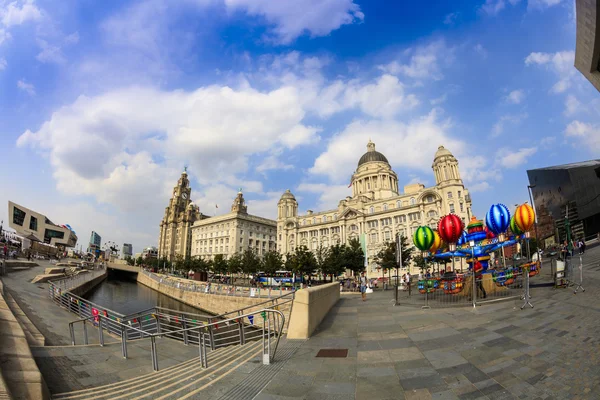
pixel 153 353
pixel 124 342
pixel 85 334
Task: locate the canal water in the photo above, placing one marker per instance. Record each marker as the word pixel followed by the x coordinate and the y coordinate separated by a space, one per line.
pixel 120 292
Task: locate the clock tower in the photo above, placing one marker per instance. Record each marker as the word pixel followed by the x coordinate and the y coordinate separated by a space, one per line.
pixel 175 238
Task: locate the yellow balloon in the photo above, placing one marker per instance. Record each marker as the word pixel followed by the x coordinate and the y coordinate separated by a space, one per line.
pixel 524 217
pixel 437 242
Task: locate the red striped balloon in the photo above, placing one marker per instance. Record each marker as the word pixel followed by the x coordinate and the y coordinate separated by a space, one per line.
pixel 524 217
pixel 450 228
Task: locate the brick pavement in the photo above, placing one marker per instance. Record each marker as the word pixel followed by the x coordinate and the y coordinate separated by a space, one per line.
pixel 496 351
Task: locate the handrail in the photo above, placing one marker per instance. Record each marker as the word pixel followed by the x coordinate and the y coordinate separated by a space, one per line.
pixel 202 329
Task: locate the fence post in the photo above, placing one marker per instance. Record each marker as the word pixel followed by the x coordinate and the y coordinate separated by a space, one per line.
pixel 100 332
pixel 124 341
pixel 184 326
pixel 241 328
pixel 72 331
pixel 211 335
pixel 85 334
pixel 153 353
pixel 204 349
pixel 200 342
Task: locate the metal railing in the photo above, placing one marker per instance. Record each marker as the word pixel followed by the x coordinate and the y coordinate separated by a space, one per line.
pixel 226 332
pixel 215 288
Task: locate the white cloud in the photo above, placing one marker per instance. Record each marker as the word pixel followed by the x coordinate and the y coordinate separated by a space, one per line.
pixel 4 35
pixel 439 100
pixel 516 96
pixel 405 145
pixel 451 18
pixel 121 133
pixel 500 125
pixel 541 4
pixel 2 64
pixel 291 19
pixel 424 61
pixel 50 53
pixel 510 158
pixel 479 187
pixel 493 7
pixel 73 38
pixel 19 12
pixel 561 63
pixel 26 87
pixel 584 136
pixel 480 50
pixel 329 195
pixel 547 142
pixel 273 163
pixel 572 106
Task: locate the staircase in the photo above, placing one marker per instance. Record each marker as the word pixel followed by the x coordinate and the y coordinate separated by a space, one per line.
pixel 181 381
pixel 32 334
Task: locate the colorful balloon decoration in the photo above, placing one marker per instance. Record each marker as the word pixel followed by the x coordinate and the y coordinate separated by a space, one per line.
pixel 423 238
pixel 437 242
pixel 462 239
pixel 497 218
pixel 476 233
pixel 514 228
pixel 488 234
pixel 524 217
pixel 450 228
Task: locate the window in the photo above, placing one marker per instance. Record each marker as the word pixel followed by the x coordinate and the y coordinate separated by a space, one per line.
pixel 449 195
pixel 368 185
pixel 371 224
pixel 335 216
pixel 412 201
pixel 241 240
pixel 18 216
pixel 250 233
pixel 432 214
pixel 400 219
pixel 241 231
pixel 50 234
pixel 33 223
pixel 462 208
pixel 303 222
pixel 353 227
pixel 459 194
pixel 385 207
pixel 371 210
pixel 430 199
pixel 388 235
pixel 415 216
pixel 373 238
pixel 280 236
pixel 386 221
pixel 314 220
pixel 324 218
pixel 398 204
pixel 452 208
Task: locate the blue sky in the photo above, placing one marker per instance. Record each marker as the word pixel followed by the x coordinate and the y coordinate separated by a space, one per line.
pixel 103 103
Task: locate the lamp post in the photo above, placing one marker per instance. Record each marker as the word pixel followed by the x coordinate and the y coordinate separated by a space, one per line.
pixel 537 242
pixel 473 296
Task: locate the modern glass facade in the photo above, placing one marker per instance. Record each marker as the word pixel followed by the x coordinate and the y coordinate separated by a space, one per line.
pixel 567 191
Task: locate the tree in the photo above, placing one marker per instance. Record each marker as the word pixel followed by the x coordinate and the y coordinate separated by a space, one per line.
pixel 234 264
pixel 354 256
pixel 304 262
pixel 321 256
pixel 335 263
pixel 272 262
pixel 129 260
pixel 386 258
pixel 407 251
pixel 219 265
pixel 198 264
pixel 139 261
pixel 420 262
pixel 250 262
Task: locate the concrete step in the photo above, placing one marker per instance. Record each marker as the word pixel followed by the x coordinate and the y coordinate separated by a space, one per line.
pixel 169 382
pixel 32 334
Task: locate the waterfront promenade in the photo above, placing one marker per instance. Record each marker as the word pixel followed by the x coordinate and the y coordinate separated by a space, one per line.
pixel 496 351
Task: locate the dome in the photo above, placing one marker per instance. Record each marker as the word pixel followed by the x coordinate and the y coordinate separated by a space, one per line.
pixel 441 152
pixel 372 155
pixel 287 195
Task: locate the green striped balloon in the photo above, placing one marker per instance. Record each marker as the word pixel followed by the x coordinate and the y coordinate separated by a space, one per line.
pixel 514 227
pixel 423 238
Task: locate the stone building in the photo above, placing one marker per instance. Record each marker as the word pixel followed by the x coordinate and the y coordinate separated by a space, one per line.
pixel 176 226
pixel 377 211
pixel 587 44
pixel 233 232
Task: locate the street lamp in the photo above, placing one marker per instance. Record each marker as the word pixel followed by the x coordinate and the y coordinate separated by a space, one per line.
pixel 530 191
pixel 472 245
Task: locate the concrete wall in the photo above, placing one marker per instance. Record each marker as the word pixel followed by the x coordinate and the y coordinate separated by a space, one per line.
pixel 213 303
pixel 82 289
pixel 310 307
pixel 123 267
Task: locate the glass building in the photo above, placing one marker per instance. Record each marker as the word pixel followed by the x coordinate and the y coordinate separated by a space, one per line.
pixel 567 191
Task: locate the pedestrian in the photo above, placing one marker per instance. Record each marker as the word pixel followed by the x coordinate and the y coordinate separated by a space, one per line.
pixel 363 286
pixel 5 251
pixel 582 246
pixel 408 281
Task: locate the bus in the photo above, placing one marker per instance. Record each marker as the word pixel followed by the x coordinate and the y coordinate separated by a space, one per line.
pixel 278 279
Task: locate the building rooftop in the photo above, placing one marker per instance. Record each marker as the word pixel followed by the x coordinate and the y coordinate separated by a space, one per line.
pixel 372 155
pixel 590 163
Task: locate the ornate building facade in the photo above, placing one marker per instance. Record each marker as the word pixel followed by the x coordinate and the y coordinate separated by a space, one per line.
pixel 377 211
pixel 233 232
pixel 175 238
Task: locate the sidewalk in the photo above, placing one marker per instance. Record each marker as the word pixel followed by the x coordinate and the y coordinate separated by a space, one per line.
pixel 494 352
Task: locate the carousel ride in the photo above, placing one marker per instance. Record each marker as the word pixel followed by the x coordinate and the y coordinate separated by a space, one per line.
pixel 476 245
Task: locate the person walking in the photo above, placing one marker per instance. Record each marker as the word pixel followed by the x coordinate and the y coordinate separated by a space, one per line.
pixel 408 282
pixel 363 286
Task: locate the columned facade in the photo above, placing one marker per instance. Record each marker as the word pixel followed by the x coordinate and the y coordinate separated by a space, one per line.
pixel 377 211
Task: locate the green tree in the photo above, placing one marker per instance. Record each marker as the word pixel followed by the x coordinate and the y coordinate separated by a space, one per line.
pixel 386 258
pixel 198 264
pixel 407 251
pixel 354 256
pixel 420 262
pixel 219 265
pixel 139 261
pixel 303 262
pixel 321 256
pixel 335 264
pixel 250 262
pixel 272 262
pixel 129 260
pixel 234 264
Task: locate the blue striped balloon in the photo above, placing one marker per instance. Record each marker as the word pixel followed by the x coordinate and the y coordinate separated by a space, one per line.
pixel 497 218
